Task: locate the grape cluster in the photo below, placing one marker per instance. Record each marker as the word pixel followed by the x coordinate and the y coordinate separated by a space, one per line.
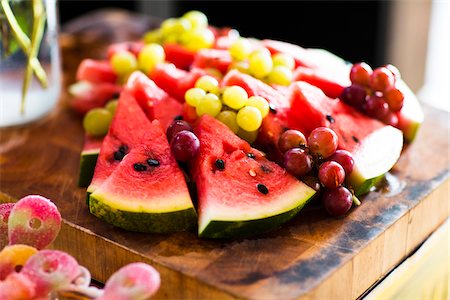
pixel 191 31
pixel 230 105
pixel 184 144
pixel 27 272
pixel 125 62
pixel 319 158
pixel 276 69
pixel 374 92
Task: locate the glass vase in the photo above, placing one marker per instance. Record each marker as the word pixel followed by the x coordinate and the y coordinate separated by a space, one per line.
pixel 30 67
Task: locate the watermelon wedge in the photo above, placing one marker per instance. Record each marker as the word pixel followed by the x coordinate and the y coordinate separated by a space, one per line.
pixel 259 195
pixel 127 191
pixel 88 159
pixel 375 146
pixel 411 116
pixel 156 103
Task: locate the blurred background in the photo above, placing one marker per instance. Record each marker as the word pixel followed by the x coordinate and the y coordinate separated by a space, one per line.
pixel 411 34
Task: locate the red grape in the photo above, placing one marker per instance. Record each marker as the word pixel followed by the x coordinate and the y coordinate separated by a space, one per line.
pixel 360 74
pixel 345 159
pixel 291 139
pixel 337 201
pixel 381 79
pixel 354 95
pixel 331 174
pixel 175 127
pixel 376 107
pixel 394 98
pixel 185 145
pixel 297 162
pixel 390 119
pixel 322 142
pixel 393 70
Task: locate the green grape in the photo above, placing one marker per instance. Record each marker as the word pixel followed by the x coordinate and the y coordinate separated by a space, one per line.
pixel 96 121
pixel 112 106
pixel 281 59
pixel 208 83
pixel 249 118
pixel 249 136
pixel 193 96
pixel 123 62
pixel 150 56
pixel 280 75
pixel 240 49
pixel 228 118
pixel 214 73
pixel 260 64
pixel 153 36
pixel 168 26
pixel 196 18
pixel 210 104
pixel 241 66
pixel 260 103
pixel 234 97
pixel 195 40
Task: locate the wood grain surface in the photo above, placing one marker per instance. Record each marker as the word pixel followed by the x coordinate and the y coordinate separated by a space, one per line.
pixel 312 257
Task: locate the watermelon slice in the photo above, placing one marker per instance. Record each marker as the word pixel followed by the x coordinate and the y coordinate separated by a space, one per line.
pixel 156 103
pixel 301 56
pixel 89 95
pixel 411 116
pixel 181 57
pixel 213 58
pixel 96 71
pixel 175 81
pixel 129 193
pixel 376 147
pixel 259 194
pixel 88 159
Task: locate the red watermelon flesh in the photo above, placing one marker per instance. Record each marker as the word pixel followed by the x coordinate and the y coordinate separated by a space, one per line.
pixel 213 58
pixel 156 103
pixel 242 209
pixel 181 57
pixel 131 46
pixel 128 125
pixel 332 87
pixel 96 71
pixel 255 87
pixel 175 81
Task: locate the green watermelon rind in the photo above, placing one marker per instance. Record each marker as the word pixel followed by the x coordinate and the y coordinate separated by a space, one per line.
pixel 88 160
pixel 367 185
pixel 230 229
pixel 181 220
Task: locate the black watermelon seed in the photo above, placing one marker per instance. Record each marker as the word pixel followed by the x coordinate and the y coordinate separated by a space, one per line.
pixel 355 139
pixel 262 188
pixel 123 149
pixel 152 162
pixel 272 109
pixel 139 167
pixel 180 117
pixel 118 155
pixel 115 96
pixel 220 164
pixel 330 119
pixel 251 155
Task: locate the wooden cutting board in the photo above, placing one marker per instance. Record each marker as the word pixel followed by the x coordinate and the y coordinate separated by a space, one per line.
pixel 313 256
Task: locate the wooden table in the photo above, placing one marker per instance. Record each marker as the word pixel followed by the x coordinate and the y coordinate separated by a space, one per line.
pixel 313 256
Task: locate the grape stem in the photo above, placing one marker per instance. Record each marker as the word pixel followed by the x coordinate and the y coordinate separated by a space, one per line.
pixel 356 201
pixel 24 42
pixel 39 18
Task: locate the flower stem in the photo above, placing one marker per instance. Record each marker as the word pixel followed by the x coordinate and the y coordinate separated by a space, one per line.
pixel 36 38
pixel 24 42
